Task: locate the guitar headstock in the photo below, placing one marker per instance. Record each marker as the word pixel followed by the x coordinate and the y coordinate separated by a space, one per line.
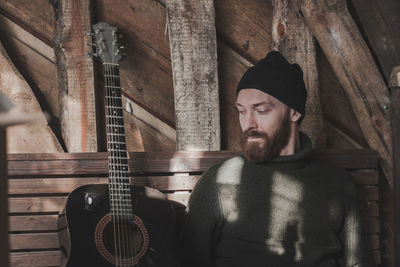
pixel 106 43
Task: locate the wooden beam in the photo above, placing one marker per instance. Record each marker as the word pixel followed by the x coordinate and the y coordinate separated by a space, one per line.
pixel 35 16
pixel 292 38
pixel 4 259
pixel 36 137
pixel 395 88
pixel 193 47
pixel 75 75
pixel 380 21
pixel 342 43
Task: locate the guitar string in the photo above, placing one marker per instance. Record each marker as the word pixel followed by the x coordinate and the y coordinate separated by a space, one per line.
pixel 114 167
pixel 127 205
pixel 128 242
pixel 110 160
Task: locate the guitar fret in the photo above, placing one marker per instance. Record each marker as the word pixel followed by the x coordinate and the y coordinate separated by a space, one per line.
pixel 116 151
pixel 113 97
pixel 115 107
pixel 114 116
pixel 115 134
pixel 108 75
pixel 111 86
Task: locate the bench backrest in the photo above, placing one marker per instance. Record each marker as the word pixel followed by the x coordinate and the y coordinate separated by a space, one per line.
pixel 39 185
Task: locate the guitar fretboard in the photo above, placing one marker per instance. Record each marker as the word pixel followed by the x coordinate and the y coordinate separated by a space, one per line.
pixel 118 169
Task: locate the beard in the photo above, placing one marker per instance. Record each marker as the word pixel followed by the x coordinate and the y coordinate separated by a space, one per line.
pixel 269 147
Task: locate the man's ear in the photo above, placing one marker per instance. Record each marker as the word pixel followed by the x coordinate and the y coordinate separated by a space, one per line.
pixel 294 115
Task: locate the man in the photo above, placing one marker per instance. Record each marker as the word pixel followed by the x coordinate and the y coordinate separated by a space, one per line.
pixel 275 205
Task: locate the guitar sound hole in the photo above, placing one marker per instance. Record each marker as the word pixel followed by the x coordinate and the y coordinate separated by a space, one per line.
pixel 125 242
pixel 122 242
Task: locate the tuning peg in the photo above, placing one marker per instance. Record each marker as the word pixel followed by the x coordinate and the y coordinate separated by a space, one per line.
pixel 91 54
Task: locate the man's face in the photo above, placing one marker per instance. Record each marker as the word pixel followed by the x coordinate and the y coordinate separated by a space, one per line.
pixel 265 125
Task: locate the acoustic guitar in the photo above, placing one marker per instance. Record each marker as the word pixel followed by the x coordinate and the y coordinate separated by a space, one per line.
pixel 116 224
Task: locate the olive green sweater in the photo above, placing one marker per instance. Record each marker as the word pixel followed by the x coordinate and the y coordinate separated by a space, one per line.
pixel 294 211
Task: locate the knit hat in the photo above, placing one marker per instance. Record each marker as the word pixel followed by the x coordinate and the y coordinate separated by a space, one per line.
pixel 275 76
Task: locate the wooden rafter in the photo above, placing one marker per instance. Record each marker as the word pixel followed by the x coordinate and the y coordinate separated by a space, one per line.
pixel 193 47
pixel 292 38
pixel 75 76
pixel 338 35
pixel 36 137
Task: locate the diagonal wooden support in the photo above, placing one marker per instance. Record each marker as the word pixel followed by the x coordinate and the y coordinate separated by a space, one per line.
pixel 292 38
pixel 395 89
pixel 36 137
pixel 193 48
pixel 75 75
pixel 332 25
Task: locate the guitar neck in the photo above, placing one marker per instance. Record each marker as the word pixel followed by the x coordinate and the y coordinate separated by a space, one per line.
pixel 118 169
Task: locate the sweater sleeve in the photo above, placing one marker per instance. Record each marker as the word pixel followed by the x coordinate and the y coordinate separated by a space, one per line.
pixel 351 235
pixel 200 230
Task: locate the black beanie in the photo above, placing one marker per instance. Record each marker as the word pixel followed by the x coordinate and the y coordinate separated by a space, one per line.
pixel 275 76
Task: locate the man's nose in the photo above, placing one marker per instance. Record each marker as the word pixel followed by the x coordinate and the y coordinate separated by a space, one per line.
pixel 249 122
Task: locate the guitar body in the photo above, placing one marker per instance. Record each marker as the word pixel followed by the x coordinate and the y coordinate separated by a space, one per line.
pixel 86 231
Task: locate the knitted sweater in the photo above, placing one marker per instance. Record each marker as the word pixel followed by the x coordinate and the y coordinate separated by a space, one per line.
pixel 293 211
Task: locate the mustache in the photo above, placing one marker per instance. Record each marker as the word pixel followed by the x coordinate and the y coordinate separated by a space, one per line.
pixel 252 133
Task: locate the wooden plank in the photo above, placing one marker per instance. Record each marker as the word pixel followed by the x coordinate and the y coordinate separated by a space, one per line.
pixel 37 17
pixel 231 68
pixel 29 259
pixel 149 119
pixel 245 27
pixel 34 241
pixel 22 35
pixel 292 38
pixel 193 47
pixel 395 88
pixel 365 177
pixel 380 22
pixel 4 258
pixel 75 76
pixel 336 107
pixel 33 223
pixel 37 69
pixel 17 89
pixel 36 204
pixel 172 161
pixel 66 185
pixel 369 193
pixel 342 43
pixel 143 137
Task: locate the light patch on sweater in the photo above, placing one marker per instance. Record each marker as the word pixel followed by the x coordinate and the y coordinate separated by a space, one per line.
pixel 286 217
pixel 229 176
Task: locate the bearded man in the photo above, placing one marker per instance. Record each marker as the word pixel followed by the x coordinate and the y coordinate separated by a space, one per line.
pixel 274 205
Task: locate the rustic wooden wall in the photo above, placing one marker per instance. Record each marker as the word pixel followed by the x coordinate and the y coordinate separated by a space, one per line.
pixel 243 37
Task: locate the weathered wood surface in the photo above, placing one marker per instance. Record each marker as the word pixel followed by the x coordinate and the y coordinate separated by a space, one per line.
pixel 29 259
pixel 20 138
pixel 380 22
pixel 35 61
pixel 395 88
pixel 38 191
pixel 342 43
pixel 144 131
pixel 4 259
pixel 192 37
pixel 35 16
pixel 75 75
pixel 292 38
pixel 244 27
pixel 176 162
pixel 337 110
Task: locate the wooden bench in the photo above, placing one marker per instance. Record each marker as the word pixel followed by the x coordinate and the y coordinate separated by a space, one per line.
pixel 39 185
